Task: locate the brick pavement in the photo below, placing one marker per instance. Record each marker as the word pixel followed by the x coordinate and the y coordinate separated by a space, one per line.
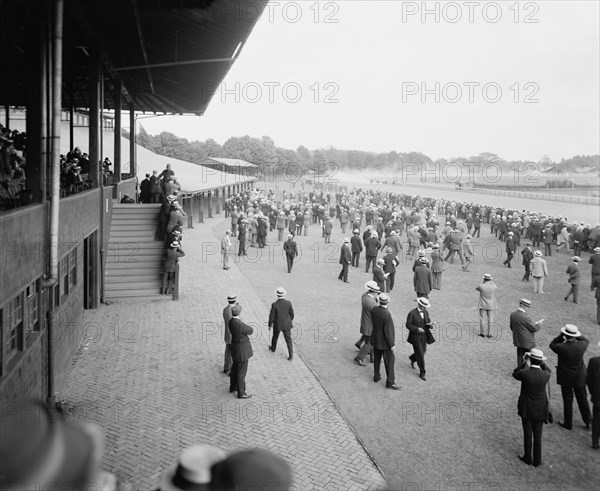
pixel 150 374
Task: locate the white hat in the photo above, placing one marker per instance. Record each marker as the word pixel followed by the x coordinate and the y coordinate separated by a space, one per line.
pixel 290 236
pixel 280 292
pixel 346 240
pixel 193 468
pixel 372 286
pixel 537 253
pixel 423 302
pixel 536 354
pixel 576 259
pixel 571 330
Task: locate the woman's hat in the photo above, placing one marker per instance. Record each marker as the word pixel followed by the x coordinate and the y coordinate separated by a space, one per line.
pixel 193 470
pixel 571 330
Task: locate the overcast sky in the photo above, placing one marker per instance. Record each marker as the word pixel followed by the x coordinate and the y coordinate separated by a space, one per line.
pixel 517 79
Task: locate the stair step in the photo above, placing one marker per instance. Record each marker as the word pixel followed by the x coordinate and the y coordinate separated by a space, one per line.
pixel 153 287
pixel 127 244
pixel 111 272
pixel 117 282
pixel 152 297
pixel 117 267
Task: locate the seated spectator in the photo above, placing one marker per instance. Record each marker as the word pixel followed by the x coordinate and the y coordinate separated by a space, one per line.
pixel 40 450
pixel 126 199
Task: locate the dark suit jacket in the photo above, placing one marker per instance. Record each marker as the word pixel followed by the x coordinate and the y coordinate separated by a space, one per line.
pixel 281 315
pixel 593 378
pixel 510 245
pixel 523 330
pixel 571 368
pixel 527 256
pixel 345 254
pixel 379 278
pixel 227 317
pixel 423 279
pixel 289 246
pixel 356 245
pixel 241 349
pixel 574 273
pixel 413 322
pixel 171 258
pixel 533 401
pixel 372 245
pixel 383 335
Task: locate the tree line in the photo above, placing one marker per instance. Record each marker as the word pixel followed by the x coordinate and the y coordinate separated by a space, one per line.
pixel 264 153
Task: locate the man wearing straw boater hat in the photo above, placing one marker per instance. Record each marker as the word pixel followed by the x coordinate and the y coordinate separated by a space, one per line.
pixel 419 323
pixel 487 304
pixel 593 384
pixel 574 274
pixel 241 352
pixel 533 405
pixel 280 319
pixel 383 339
pixel 523 329
pixel 539 270
pixel 571 373
pixel 368 302
pixel 231 301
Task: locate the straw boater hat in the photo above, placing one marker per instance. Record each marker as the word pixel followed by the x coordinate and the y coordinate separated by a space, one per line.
pixel 535 354
pixel 290 236
pixel 576 259
pixel 571 330
pixel 232 299
pixel 436 246
pixel 193 470
pixel 487 277
pixel 175 244
pixel 525 302
pixel 372 286
pixel 384 299
pixel 280 292
pixel 537 253
pixel 380 261
pixel 423 260
pixel 346 240
pixel 423 302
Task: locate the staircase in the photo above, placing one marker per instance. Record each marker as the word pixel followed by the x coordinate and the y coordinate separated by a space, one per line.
pixel 134 260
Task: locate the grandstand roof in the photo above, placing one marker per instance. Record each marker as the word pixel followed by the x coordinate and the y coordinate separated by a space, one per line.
pixel 171 55
pixel 227 162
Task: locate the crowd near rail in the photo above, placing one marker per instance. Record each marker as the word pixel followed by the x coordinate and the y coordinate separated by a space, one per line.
pixel 13 164
pixel 385 226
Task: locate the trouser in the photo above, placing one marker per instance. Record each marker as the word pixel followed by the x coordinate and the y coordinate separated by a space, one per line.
pixel 437 281
pixel 421 294
pixel 168 283
pixel 486 319
pixel 155 198
pixel 535 240
pixel 234 229
pixel 598 310
pixel 237 377
pixel 477 232
pixel 581 396
pixel 280 234
pixel 538 284
pixel 595 281
pixel 355 258
pixel 450 256
pixel 305 230
pixel 290 262
pixel 527 272
pixel 365 349
pixel 573 290
pixel 419 349
pixel 595 423
pixel 388 363
pixel 370 259
pixel 242 248
pixel 532 434
pixel 344 225
pixel 225 255
pixel 288 340
pixel 577 248
pixel 344 272
pixel 253 240
pixel 327 237
pixel 509 258
pixel 564 245
pixel 547 249
pixel 520 353
pixel 228 361
pixel 389 282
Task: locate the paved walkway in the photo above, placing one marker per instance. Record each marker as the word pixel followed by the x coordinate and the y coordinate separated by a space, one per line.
pixel 150 373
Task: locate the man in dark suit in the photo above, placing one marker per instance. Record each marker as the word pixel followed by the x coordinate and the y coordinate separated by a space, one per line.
pixel 356 247
pixel 418 323
pixel 574 274
pixel 241 352
pixel 379 276
pixel 593 384
pixel 383 339
pixel 280 319
pixel 345 260
pixel 423 279
pixel 571 374
pixel 231 301
pixel 523 329
pixel 595 262
pixel 372 246
pixel 368 302
pixel 533 405
pixel 510 249
pixel 291 251
pixel 389 267
pixel 527 255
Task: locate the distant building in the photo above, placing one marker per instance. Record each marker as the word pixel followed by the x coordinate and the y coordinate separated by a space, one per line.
pixel 231 166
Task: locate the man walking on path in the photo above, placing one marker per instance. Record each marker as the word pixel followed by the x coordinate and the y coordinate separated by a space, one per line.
pixel 487 304
pixel 241 352
pixel 593 384
pixel 280 319
pixel 345 260
pixel 383 339
pixel 437 266
pixel 533 405
pixel 291 251
pixel 595 262
pixel 527 255
pixel 539 270
pixel 523 329
pixel 574 274
pixel 368 302
pixel 419 325
pixel 225 248
pixel 227 315
pixel 356 247
pixel 571 373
